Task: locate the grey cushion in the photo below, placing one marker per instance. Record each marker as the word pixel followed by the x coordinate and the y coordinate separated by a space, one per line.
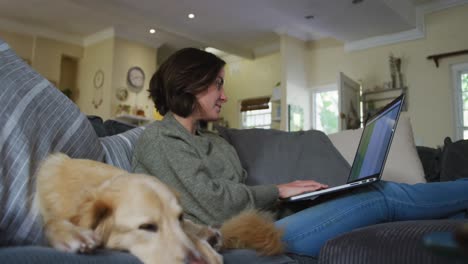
pixel 39 255
pixel 98 125
pixel 36 119
pixel 273 156
pixel 397 242
pixel 119 148
pixel 246 256
pixel 45 255
pixel 114 127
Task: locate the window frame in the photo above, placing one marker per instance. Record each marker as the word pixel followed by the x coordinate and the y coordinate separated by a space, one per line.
pixel 459 126
pixel 255 104
pixel 315 91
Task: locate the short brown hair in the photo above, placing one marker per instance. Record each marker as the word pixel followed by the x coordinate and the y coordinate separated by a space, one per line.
pixel 184 74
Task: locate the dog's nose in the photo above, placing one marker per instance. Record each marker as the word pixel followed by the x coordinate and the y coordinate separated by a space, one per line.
pixel 194 258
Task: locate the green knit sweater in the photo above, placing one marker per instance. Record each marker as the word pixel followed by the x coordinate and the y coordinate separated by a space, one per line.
pixel 203 168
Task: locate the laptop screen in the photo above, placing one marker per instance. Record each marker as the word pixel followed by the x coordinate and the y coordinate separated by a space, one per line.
pixel 374 144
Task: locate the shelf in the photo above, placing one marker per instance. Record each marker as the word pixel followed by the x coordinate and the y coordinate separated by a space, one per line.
pixel 380 99
pixel 384 91
pixel 373 101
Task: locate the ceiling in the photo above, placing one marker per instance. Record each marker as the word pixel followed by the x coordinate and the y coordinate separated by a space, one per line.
pixel 241 27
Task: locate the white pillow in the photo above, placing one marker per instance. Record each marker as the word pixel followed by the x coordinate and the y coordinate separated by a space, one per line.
pixel 403 163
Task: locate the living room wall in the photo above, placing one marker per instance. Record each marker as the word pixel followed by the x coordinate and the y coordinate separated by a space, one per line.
pixel 128 54
pixel 22 44
pixel 430 88
pixel 246 78
pixel 295 90
pixel 114 56
pixel 42 53
pixel 48 56
pixel 97 57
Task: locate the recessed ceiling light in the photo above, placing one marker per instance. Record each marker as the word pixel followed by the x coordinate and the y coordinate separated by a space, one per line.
pixel 152 31
pixel 357 1
pixel 309 17
pixel 191 16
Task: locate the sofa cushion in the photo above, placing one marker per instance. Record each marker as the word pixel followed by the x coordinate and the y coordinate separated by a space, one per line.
pixel 119 148
pixel 454 160
pixel 273 156
pixel 114 127
pixel 39 255
pixel 247 256
pixel 37 119
pixel 397 242
pixel 46 255
pixel 98 125
pixel 403 163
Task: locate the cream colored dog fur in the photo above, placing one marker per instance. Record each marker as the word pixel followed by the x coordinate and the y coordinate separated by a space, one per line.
pixel 87 204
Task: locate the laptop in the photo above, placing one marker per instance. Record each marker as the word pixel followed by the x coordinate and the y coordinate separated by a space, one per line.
pixel 372 151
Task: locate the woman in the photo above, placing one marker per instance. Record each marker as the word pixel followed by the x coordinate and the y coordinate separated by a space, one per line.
pixel 206 171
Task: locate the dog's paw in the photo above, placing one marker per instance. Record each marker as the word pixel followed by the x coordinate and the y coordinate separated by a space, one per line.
pixel 76 240
pixel 214 239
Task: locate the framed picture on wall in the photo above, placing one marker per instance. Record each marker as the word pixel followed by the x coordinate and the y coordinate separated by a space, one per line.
pixel 296 118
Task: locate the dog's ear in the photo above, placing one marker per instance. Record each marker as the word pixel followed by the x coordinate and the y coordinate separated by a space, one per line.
pixel 96 214
pixel 93 213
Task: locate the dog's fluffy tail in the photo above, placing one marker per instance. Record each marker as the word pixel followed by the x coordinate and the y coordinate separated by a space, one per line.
pixel 254 230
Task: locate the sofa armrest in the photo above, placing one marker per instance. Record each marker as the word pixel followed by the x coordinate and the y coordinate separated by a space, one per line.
pixel 397 242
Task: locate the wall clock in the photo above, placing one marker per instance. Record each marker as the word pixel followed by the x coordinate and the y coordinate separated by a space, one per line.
pixel 135 79
pixel 98 80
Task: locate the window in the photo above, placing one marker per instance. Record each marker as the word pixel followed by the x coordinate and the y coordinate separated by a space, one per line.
pixel 325 109
pixel 256 113
pixel 460 76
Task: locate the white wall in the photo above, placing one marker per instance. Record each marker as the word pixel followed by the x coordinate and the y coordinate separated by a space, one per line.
pixel 43 54
pixel 22 44
pixel 429 88
pixel 99 56
pixel 246 78
pixel 294 81
pixel 128 54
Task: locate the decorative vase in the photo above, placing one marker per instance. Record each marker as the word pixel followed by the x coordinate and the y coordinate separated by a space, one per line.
pixel 400 80
pixel 394 81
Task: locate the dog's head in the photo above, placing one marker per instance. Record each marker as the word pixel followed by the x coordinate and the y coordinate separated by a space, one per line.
pixel 139 214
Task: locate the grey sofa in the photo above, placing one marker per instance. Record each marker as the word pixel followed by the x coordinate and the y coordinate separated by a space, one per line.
pixel 37 120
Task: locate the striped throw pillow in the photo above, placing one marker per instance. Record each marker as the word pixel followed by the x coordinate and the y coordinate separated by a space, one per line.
pixel 37 119
pixel 119 148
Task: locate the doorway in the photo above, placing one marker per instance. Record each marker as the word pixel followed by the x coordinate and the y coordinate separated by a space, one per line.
pixel 68 77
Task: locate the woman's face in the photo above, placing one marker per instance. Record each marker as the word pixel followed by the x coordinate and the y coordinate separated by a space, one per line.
pixel 211 100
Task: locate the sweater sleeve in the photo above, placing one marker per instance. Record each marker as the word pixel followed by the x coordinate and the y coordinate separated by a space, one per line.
pixel 209 193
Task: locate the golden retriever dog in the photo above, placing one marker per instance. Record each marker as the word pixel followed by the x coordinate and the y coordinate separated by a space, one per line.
pixel 86 204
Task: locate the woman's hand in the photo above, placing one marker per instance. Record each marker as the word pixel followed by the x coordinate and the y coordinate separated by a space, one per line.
pixel 297 187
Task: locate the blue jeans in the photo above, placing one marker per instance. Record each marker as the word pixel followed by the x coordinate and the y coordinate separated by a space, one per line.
pixel 307 231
